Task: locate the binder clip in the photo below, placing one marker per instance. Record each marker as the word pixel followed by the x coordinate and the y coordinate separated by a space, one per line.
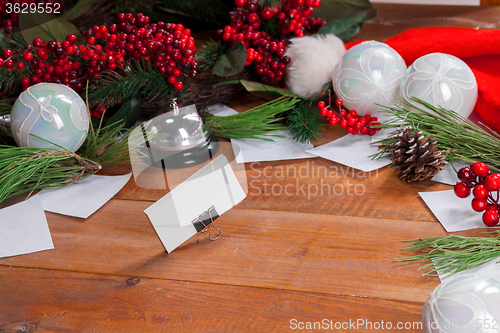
pixel 205 222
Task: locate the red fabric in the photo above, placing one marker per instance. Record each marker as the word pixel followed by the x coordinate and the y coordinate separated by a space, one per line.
pixel 480 49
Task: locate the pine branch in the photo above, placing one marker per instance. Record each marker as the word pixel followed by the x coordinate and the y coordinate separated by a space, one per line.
pixel 271 27
pixel 10 81
pixel 452 254
pixel 112 87
pixel 13 40
pixel 462 138
pixel 209 53
pixel 304 122
pixel 28 169
pixel 254 123
pixel 106 145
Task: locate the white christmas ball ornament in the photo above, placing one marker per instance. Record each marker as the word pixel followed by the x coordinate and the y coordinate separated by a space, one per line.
pixel 370 73
pixel 442 80
pixel 53 112
pixel 463 304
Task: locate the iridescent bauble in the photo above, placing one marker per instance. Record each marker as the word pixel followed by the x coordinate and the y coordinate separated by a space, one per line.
pixel 463 304
pixel 370 73
pixel 52 112
pixel 441 80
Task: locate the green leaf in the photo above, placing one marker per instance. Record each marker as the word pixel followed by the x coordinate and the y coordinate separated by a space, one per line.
pixel 252 86
pixel 128 113
pixel 82 7
pixel 349 25
pixel 232 62
pixel 337 9
pixel 46 26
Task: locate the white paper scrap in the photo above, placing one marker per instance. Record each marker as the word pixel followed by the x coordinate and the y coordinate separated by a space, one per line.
pixel 490 269
pixel 221 110
pixel 84 197
pixel 448 175
pixel 255 150
pixel 353 151
pixel 24 228
pixel 454 213
pixel 215 185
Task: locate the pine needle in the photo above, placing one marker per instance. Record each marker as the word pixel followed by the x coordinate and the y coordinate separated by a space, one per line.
pixel 304 122
pixel 461 137
pixel 209 53
pixel 112 87
pixel 452 254
pixel 28 169
pixel 254 123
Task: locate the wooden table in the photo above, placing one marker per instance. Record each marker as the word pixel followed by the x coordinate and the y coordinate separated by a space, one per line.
pixel 282 259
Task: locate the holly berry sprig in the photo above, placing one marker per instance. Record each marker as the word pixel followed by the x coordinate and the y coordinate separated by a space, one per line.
pixel 353 123
pixel 265 50
pixel 167 47
pixel 485 187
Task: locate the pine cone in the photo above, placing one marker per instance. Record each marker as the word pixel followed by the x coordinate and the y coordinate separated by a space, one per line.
pixel 416 155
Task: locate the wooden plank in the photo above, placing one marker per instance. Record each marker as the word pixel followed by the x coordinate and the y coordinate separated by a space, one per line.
pixel 41 300
pixel 270 249
pixel 314 185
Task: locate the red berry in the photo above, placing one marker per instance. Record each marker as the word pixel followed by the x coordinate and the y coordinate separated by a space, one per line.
pixel 353 113
pixel 323 112
pixel 27 56
pixel 266 14
pixel 479 205
pixel 240 3
pixel 7 53
pixel 20 65
pixel 37 42
pixel 25 81
pixel 479 169
pixel 91 40
pixel 321 104
pixel 343 123
pixel 339 102
pixel 9 63
pixel 178 85
pixel 465 174
pixel 492 182
pixel 343 113
pixel 480 192
pixel 492 207
pixel 71 38
pixel 462 190
pixel 491 217
pixel 172 79
pixel 252 18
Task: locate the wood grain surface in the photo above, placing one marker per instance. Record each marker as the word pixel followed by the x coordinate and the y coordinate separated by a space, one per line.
pixel 297 248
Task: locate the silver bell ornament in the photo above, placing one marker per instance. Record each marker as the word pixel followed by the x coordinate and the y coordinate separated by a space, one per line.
pixel 49 115
pixel 178 138
pixel 463 304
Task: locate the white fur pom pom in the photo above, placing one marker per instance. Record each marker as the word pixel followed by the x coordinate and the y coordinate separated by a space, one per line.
pixel 312 61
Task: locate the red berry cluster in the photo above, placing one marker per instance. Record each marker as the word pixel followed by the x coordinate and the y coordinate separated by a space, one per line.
pixel 353 123
pixel 9 15
pixel 167 47
pixel 266 52
pixel 484 184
